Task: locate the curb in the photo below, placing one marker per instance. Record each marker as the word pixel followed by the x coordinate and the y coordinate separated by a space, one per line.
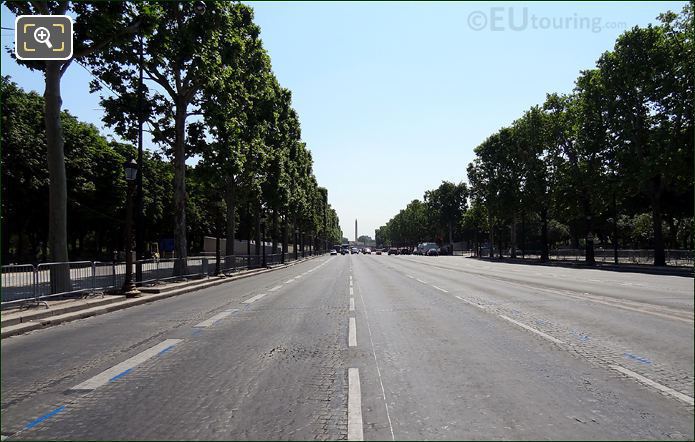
pixel 24 327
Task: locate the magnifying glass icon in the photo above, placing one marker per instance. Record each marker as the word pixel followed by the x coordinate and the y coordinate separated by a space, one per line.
pixel 42 35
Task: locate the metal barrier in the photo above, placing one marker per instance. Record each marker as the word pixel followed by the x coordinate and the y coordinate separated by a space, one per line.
pixel 61 279
pixel 18 282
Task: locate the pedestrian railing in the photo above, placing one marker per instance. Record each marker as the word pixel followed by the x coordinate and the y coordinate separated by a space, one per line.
pixel 24 282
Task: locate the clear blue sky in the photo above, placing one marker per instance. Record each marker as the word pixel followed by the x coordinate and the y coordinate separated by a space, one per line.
pixel 393 97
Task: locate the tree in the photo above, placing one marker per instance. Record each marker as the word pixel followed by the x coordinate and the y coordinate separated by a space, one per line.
pixel 96 25
pixel 183 51
pixel 448 202
pixel 652 121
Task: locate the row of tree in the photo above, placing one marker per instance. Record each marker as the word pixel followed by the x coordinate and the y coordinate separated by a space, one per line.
pixel 207 90
pixel 610 162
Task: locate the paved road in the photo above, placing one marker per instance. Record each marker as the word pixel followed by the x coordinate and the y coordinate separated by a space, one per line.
pixel 373 347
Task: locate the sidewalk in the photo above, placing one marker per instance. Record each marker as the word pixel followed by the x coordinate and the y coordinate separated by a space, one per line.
pixel 16 321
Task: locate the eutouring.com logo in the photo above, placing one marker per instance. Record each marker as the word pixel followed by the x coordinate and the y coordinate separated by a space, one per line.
pixel 519 19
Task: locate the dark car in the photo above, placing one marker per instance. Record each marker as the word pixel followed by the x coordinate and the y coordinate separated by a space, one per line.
pixel 404 251
pixel 393 251
pixel 432 252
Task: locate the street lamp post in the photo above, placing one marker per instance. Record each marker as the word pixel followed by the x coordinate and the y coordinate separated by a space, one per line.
pixel 303 245
pixel 129 289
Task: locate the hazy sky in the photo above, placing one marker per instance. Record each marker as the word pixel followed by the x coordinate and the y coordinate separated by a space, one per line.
pixel 394 97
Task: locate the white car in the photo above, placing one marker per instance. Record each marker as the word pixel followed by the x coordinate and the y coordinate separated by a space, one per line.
pixel 333 252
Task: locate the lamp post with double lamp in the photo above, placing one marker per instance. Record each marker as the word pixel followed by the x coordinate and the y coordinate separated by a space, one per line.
pixel 131 172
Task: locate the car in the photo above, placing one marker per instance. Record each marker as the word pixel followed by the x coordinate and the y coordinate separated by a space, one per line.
pixel 404 251
pixel 333 252
pixel 432 252
pixel 378 252
pixel 393 251
pixel 367 251
pixel 354 250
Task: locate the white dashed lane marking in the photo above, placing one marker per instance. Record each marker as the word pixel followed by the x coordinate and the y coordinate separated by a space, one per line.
pixel 217 317
pixel 474 304
pixel 355 430
pixel 254 299
pixel 533 330
pixel 352 292
pixel 105 376
pixel 352 304
pixel 277 287
pixel 678 395
pixel 352 333
pixel 440 289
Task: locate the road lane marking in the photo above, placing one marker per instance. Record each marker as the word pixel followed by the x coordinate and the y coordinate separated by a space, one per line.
pixel 533 330
pixel 254 299
pixel 420 280
pixel 355 431
pixel 217 317
pixel 352 304
pixel 352 333
pixel 291 280
pixel 440 289
pixel 410 276
pixel 352 292
pixel 635 306
pixel 475 304
pixel 37 421
pixel 104 377
pixel 277 287
pixel 678 395
pixel 378 370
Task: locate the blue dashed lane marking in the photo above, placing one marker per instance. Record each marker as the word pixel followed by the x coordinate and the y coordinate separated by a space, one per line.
pixel 164 351
pixel 37 421
pixel 639 359
pixel 120 375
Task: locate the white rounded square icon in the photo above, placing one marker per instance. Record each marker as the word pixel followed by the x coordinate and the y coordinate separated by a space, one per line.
pixel 43 37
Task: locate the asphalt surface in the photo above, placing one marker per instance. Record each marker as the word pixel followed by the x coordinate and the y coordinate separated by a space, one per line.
pixel 373 347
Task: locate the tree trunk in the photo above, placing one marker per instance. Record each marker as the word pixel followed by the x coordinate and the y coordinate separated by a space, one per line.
pixel 180 244
pixel 523 234
pixel 659 253
pixel 451 238
pixel 513 237
pixel 492 238
pixel 544 235
pixel 274 234
pixel 230 201
pixel 57 188
pixel 285 238
pixel 257 216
